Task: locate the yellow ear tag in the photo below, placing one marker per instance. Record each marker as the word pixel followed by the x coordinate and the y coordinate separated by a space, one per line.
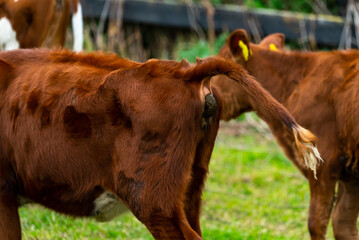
pixel 273 47
pixel 244 48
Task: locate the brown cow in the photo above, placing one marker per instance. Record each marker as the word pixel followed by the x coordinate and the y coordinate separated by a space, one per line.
pixel 320 90
pixel 93 135
pixel 39 23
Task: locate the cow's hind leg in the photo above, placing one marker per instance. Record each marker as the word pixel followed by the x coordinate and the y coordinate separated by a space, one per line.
pixel 9 216
pixel 193 197
pixel 346 212
pixel 168 228
pixel 321 203
pixel 163 215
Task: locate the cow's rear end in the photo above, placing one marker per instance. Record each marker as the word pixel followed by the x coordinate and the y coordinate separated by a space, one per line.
pixel 93 135
pixel 90 135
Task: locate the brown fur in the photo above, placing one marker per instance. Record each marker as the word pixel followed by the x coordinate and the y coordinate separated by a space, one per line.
pixel 39 23
pixel 76 125
pixel 320 90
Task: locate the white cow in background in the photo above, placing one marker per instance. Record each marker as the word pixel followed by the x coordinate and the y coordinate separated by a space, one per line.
pixel 39 23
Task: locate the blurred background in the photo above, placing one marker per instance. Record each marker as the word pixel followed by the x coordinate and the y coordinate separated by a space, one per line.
pixel 175 29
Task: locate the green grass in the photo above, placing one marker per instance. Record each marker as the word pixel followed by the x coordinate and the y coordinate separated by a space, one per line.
pixel 199 48
pixel 252 192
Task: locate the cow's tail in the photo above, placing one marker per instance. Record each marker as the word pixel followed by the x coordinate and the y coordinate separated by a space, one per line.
pixel 77 25
pixel 304 139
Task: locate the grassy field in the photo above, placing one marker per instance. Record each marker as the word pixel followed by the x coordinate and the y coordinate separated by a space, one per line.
pixel 252 192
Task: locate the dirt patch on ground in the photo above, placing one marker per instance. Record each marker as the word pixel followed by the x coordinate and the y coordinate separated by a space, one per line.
pixel 248 126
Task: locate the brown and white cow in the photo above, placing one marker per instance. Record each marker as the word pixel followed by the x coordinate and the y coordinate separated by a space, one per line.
pixel 93 135
pixel 39 23
pixel 320 89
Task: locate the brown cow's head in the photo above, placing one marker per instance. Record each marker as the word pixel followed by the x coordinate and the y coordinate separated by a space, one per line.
pixel 239 46
pixel 238 49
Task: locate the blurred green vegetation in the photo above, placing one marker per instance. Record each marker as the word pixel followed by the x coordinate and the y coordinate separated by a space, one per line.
pixel 289 5
pixel 199 48
pixel 292 5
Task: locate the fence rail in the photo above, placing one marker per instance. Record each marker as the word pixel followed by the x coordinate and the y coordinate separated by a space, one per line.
pixel 324 28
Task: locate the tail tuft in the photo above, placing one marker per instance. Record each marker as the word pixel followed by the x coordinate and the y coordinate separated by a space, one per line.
pixel 306 143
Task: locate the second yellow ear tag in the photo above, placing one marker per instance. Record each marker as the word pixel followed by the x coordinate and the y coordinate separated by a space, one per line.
pixel 244 48
pixel 273 47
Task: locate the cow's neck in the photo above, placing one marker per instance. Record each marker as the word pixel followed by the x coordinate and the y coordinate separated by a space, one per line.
pixel 279 72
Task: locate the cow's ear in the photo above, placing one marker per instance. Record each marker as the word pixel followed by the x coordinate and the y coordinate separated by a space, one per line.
pixel 274 42
pixel 239 44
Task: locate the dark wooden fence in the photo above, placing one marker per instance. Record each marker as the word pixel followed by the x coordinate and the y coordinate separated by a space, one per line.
pixel 326 29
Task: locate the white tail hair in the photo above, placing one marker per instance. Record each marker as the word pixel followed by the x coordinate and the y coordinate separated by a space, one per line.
pixel 305 142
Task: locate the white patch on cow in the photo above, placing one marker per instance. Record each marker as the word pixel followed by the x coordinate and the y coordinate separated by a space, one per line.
pixel 7 36
pixel 16 0
pixel 108 206
pixel 77 28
